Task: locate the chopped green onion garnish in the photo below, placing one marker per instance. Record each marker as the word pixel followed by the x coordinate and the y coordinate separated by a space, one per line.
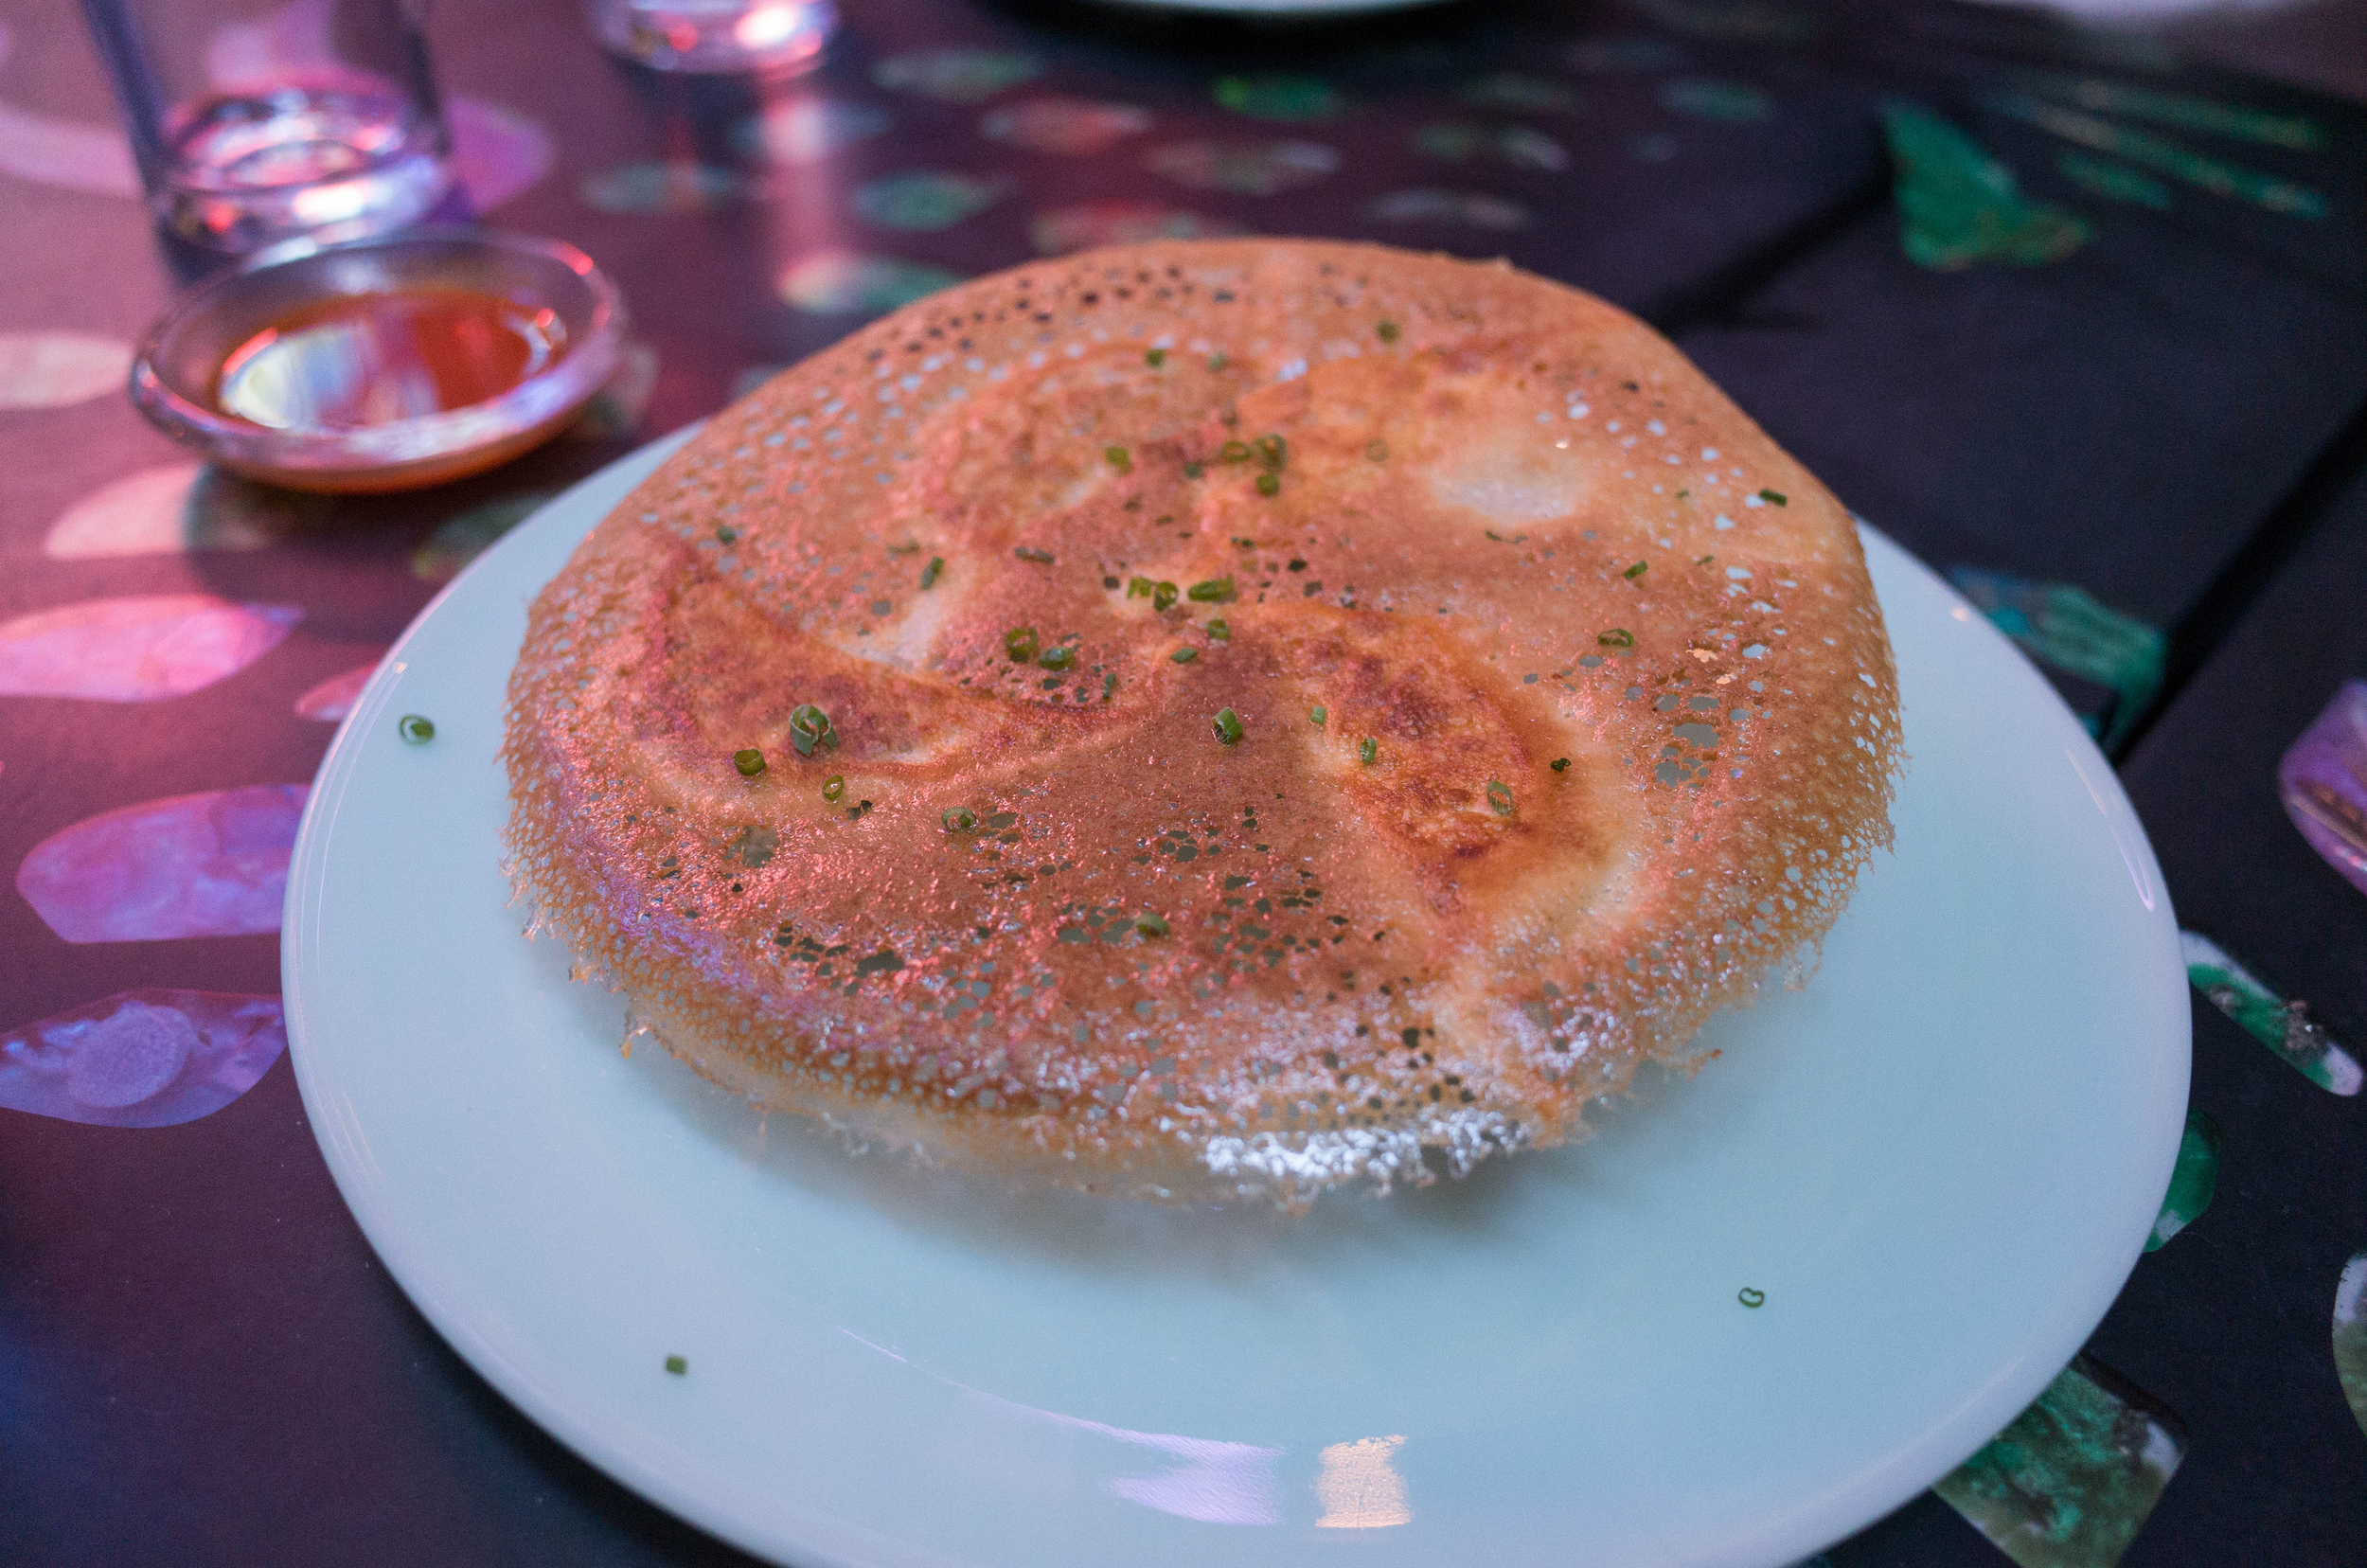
pixel 749 761
pixel 1637 570
pixel 677 1366
pixel 1150 925
pixel 1139 587
pixel 1154 357
pixel 1388 331
pixel 1193 470
pixel 1058 658
pixel 1270 450
pixel 1041 558
pixel 1214 591
pixel 1019 643
pixel 1499 798
pixel 1216 362
pixel 1162 595
pixel 1367 749
pixel 1117 458
pixel 1220 630
pixel 960 819
pixel 1184 655
pixel 418 731
pixel 1234 452
pixel 930 573
pixel 728 535
pixel 1703 561
pixel 1618 636
pixel 1378 451
pixel 1773 498
pixel 808 728
pixel 1317 716
pixel 1109 685
pixel 1561 764
pixel 832 788
pixel 1268 484
pixel 1228 727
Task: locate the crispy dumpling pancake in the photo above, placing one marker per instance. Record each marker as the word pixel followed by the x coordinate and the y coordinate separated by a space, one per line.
pixel 1565 714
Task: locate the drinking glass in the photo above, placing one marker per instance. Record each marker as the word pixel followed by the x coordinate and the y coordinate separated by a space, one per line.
pixel 253 121
pixel 758 37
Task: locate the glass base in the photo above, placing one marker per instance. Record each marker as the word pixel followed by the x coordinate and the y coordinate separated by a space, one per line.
pixel 334 161
pixel 716 36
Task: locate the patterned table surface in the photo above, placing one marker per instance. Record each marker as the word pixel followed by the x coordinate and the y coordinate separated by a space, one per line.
pixel 2081 322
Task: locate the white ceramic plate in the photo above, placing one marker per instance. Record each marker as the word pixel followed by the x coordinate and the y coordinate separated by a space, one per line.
pixel 1937 1162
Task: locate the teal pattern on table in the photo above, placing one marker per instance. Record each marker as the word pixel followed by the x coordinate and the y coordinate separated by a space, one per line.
pixel 2187 114
pixel 467 535
pixel 1454 141
pixel 838 283
pixel 2071 1480
pixel 2193 1179
pixel 1719 102
pixel 957 75
pixel 2114 182
pixel 1279 98
pixel 2284 1028
pixel 2063 626
pixel 1513 93
pixel 1958 205
pixel 2350 1335
pixel 925 200
pixel 2159 153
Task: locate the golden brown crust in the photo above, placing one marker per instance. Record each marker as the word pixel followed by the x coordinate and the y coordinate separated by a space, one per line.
pixel 1362 959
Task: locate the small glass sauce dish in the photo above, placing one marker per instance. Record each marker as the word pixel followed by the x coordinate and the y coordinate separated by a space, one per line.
pixel 385 364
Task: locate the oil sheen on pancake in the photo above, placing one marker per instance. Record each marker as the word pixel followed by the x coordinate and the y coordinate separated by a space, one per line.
pixel 1297 713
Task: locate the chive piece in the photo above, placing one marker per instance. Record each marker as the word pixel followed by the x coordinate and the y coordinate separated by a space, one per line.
pixel 1499 798
pixel 1162 595
pixel 1216 362
pixel 1151 925
pixel 1317 716
pixel 1019 643
pixel 1367 750
pixel 1773 498
pixel 1041 558
pixel 1387 330
pixel 1214 591
pixel 1139 587
pixel 728 535
pixel 1561 764
pixel 1268 484
pixel 959 819
pixel 1058 658
pixel 1155 357
pixel 1271 450
pixel 1193 470
pixel 1220 630
pixel 1234 452
pixel 810 727
pixel 832 788
pixel 930 573
pixel 1376 450
pixel 1751 1295
pixel 1109 685
pixel 749 761
pixel 1184 655
pixel 677 1366
pixel 1703 561
pixel 1117 458
pixel 414 729
pixel 1618 636
pixel 1637 570
pixel 1228 728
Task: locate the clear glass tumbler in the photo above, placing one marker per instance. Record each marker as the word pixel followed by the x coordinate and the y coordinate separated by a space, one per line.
pixel 257 120
pixel 752 37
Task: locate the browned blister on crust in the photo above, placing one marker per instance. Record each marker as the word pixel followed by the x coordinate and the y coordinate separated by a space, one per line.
pixel 1566 714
